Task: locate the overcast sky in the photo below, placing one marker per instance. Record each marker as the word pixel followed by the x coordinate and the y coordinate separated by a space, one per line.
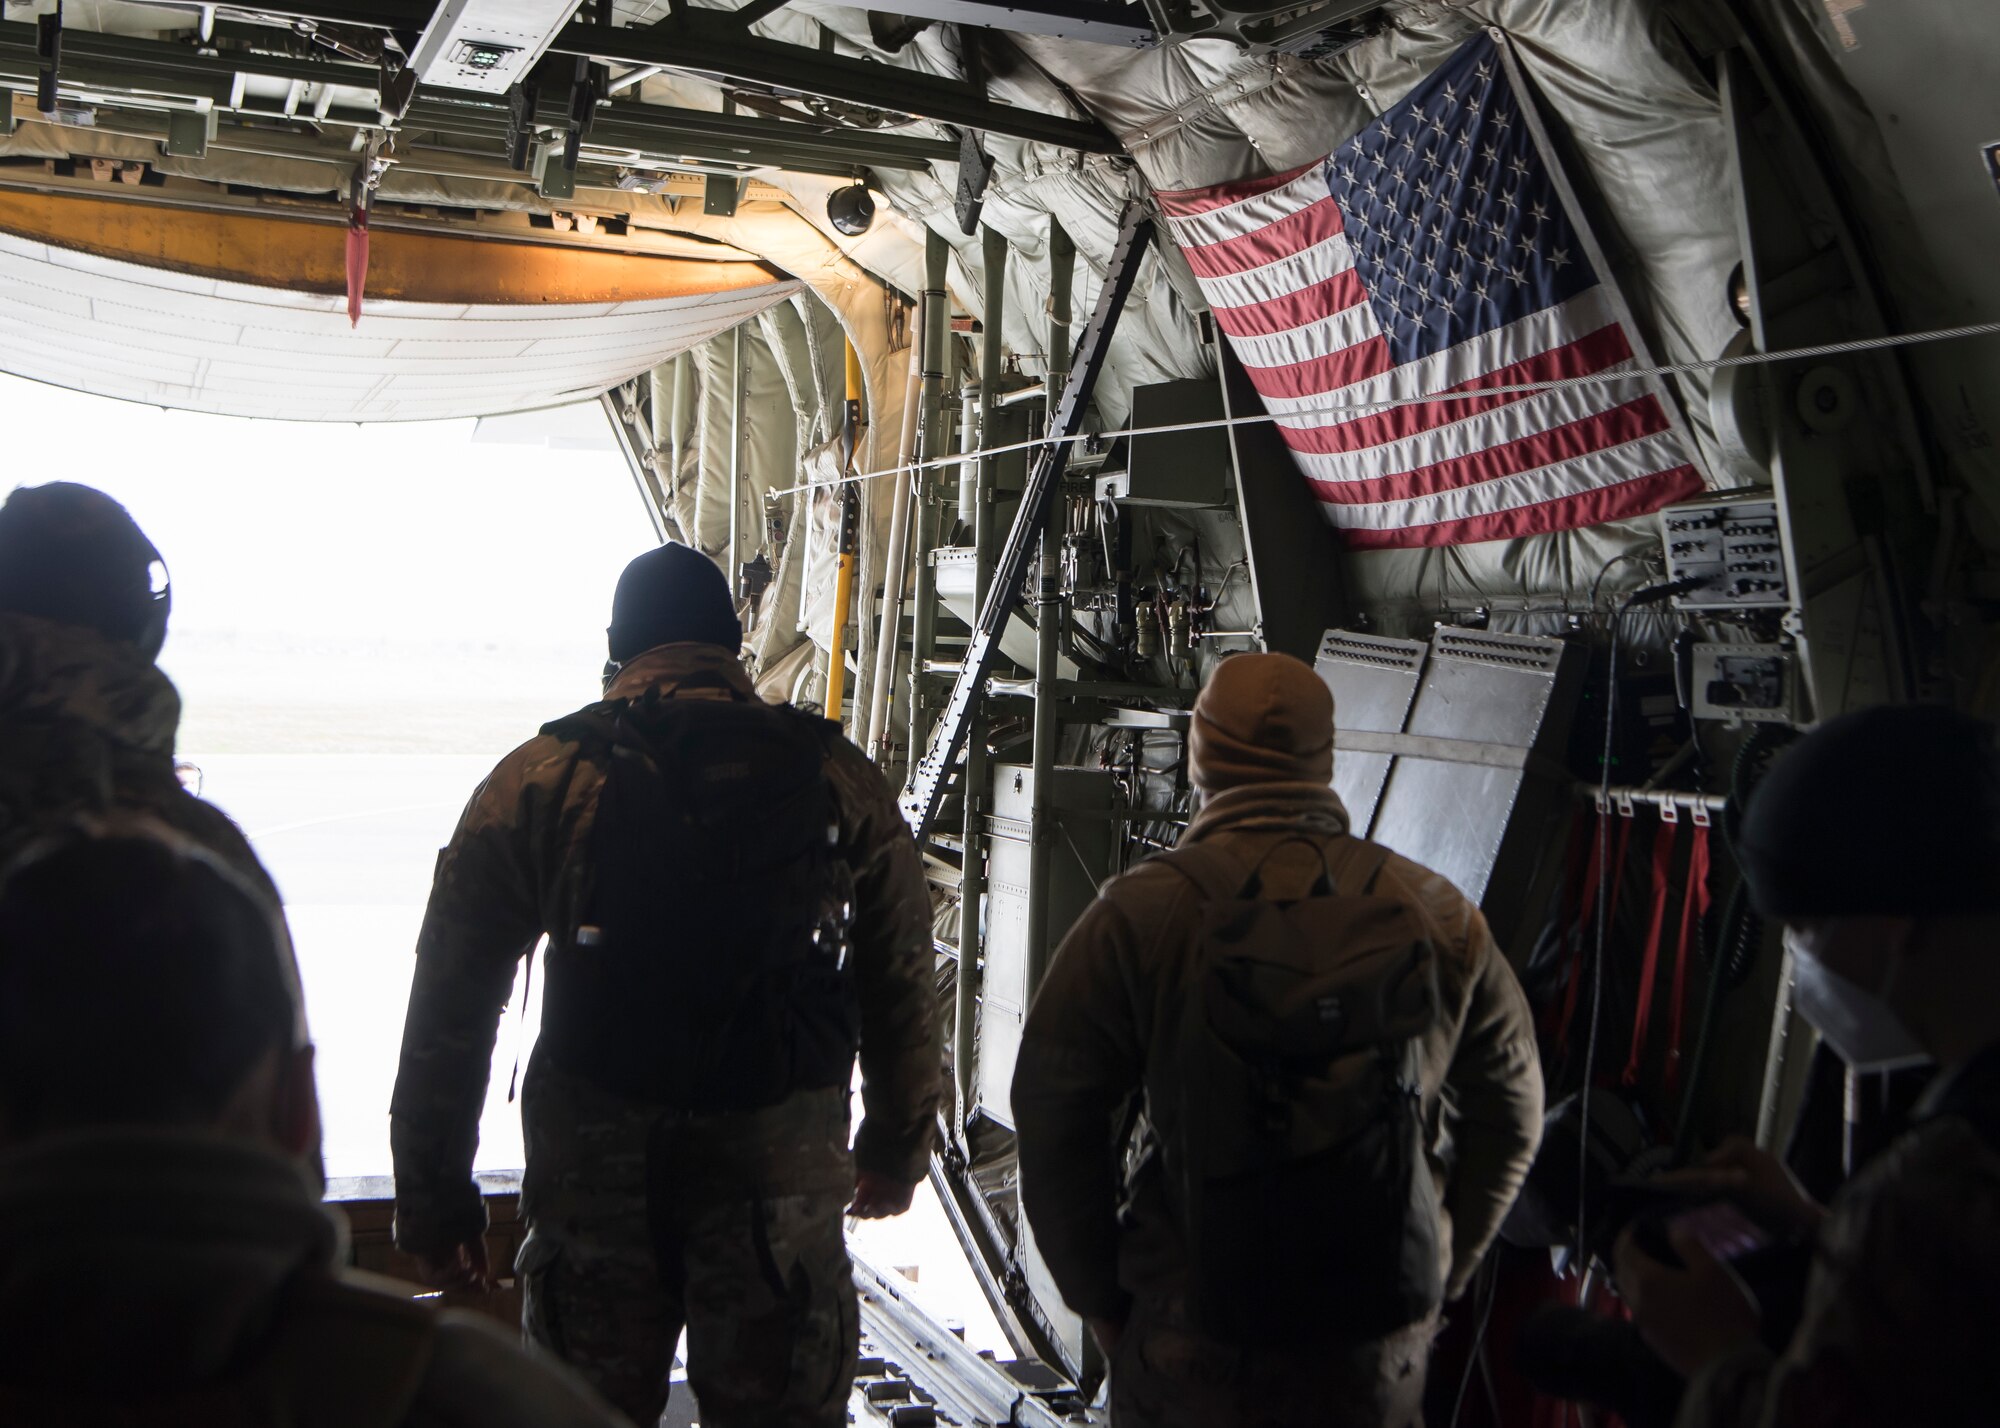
pixel 347 567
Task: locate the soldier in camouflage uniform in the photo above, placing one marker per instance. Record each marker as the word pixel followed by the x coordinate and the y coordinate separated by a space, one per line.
pixel 643 1220
pixel 87 720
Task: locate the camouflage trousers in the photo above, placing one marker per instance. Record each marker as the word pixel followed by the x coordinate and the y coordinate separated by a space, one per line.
pixel 641 1223
pixel 1166 1375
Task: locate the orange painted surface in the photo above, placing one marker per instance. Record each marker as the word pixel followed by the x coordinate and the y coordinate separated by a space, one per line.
pixel 302 256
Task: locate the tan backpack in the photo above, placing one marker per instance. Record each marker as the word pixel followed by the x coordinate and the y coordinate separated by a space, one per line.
pixel 1288 1098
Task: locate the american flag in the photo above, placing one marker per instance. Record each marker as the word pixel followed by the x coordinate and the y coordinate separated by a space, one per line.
pixel 1431 253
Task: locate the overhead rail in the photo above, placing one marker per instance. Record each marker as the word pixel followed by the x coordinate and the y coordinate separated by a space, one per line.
pixel 716 43
pixel 948 739
pixel 1100 22
pixel 153 75
pixel 711 42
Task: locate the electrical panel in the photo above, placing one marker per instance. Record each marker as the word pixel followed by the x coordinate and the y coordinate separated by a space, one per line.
pixel 486 46
pixel 1755 684
pixel 1173 468
pixel 1733 544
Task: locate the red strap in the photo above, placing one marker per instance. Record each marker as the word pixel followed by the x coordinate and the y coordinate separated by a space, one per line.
pixel 1649 961
pixel 1693 908
pixel 1585 929
pixel 357 263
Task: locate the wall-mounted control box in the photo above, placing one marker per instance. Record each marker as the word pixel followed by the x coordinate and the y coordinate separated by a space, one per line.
pixel 1751 684
pixel 1731 542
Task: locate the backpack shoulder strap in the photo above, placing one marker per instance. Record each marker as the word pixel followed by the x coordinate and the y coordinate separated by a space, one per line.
pixel 594 724
pixel 1360 867
pixel 1215 874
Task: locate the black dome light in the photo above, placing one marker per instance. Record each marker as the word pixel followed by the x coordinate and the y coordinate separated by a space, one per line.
pixel 851 210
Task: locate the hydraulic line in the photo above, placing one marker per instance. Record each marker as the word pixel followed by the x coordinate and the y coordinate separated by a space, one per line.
pixel 843 581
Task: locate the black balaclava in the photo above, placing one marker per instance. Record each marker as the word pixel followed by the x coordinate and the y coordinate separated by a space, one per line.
pixel 71 554
pixel 1889 812
pixel 668 596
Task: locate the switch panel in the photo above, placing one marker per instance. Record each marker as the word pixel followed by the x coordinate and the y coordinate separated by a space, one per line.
pixel 1732 544
pixel 486 46
pixel 1754 684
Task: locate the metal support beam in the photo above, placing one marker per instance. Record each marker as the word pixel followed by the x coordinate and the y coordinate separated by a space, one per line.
pixel 163 74
pixel 992 357
pixel 407 18
pixel 1099 22
pixel 757 10
pixel 933 329
pixel 971 934
pixel 630 432
pixel 48 58
pixel 736 385
pixel 709 42
pixel 1048 626
pixel 926 791
pixel 881 744
pixel 744 137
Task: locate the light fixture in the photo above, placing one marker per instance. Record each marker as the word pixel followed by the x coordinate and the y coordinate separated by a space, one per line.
pixel 851 210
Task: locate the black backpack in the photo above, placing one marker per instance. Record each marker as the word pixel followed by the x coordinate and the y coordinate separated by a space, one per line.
pixel 1288 1093
pixel 710 970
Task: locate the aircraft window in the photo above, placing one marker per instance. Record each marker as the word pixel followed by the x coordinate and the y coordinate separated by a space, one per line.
pixel 364 620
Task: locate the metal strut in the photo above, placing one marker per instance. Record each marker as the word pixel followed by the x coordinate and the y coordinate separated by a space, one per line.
pixel 927 783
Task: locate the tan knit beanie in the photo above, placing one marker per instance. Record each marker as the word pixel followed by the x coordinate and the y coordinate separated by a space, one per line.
pixel 1262 718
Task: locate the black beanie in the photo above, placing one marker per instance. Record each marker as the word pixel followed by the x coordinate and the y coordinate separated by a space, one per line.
pixel 71 554
pixel 1891 812
pixel 669 596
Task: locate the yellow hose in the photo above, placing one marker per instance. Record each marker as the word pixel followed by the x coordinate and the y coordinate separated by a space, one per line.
pixel 843 578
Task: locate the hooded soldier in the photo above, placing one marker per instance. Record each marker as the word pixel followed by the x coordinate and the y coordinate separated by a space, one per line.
pixel 1111 1031
pixel 1876 842
pixel 87 719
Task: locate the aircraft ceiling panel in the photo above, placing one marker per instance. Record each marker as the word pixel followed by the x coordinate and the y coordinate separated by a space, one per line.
pixel 124 330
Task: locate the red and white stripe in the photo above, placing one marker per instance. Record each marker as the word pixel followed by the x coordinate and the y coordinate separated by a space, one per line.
pixel 1276 268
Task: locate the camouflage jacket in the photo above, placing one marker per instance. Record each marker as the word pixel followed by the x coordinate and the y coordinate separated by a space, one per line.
pixel 1904 1291
pixel 1090 1032
pixel 87 725
pixel 513 872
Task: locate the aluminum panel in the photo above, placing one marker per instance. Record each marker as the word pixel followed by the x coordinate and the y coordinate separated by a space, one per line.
pixel 1483 687
pixel 1373 680
pixel 1081 859
pixel 1478 821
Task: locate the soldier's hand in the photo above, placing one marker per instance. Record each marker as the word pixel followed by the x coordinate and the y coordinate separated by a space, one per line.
pixel 1756 1180
pixel 461 1267
pixel 878 1197
pixel 1691 1316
